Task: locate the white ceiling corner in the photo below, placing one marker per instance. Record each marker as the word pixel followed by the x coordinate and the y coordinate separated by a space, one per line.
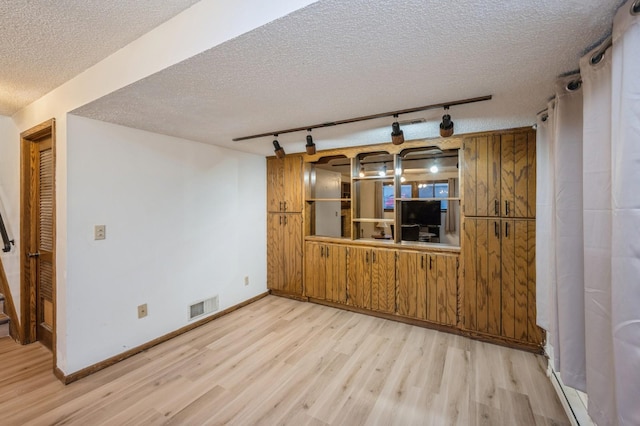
pixel 46 43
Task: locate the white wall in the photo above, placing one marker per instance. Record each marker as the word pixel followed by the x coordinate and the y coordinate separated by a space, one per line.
pixel 10 202
pixel 201 27
pixel 185 221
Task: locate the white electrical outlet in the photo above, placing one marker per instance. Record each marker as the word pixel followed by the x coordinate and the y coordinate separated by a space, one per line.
pixel 246 280
pixel 100 232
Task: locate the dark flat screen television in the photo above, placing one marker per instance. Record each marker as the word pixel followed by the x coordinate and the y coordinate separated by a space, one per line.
pixel 423 213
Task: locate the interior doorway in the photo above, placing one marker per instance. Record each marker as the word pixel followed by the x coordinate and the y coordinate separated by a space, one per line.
pixel 37 230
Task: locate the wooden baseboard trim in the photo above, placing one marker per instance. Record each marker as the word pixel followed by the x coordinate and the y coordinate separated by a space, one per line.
pixel 66 379
pixel 289 295
pixel 435 326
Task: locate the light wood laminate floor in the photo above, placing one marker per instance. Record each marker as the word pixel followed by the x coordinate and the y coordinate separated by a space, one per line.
pixel 279 361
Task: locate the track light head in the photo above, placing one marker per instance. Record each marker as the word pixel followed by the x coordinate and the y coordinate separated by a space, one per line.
pixel 446 127
pixel 311 147
pixel 278 149
pixel 397 135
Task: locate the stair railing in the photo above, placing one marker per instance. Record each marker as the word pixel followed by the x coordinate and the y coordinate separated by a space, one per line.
pixel 5 237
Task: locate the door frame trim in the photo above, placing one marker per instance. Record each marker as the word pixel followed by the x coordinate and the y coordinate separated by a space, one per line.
pixel 27 292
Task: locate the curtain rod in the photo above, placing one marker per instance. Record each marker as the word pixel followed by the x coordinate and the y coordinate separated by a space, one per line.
pixel 445 105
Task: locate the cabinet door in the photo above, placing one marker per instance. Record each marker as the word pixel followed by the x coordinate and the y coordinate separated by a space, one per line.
pixel 482 174
pixel 275 184
pixel 518 175
pixel 359 277
pixel 315 278
pixel 518 281
pixel 445 271
pixel 336 273
pixel 482 275
pixel 275 247
pixel 292 192
pixel 411 284
pixel 292 253
pixel 383 280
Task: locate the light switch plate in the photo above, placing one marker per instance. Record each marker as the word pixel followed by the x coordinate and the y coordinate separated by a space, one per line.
pixel 142 311
pixel 100 232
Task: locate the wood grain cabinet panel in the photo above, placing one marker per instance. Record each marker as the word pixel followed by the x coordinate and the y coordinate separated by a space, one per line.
pixel 499 264
pixel 499 175
pixel 326 272
pixel 383 280
pixel 412 281
pixel 482 176
pixel 359 277
pixel 284 248
pixel 518 152
pixel 284 184
pixel 427 287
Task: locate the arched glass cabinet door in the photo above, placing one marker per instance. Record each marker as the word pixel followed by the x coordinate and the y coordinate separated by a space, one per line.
pixel 428 196
pixel 328 210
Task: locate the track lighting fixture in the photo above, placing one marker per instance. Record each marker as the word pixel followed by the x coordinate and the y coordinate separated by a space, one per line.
pixel 311 147
pixel 433 169
pixel 362 172
pixel 277 148
pixel 383 172
pixel 446 127
pixel 397 135
pixel 446 105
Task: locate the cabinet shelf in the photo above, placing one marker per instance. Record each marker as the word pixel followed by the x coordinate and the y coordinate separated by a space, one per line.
pixel 382 178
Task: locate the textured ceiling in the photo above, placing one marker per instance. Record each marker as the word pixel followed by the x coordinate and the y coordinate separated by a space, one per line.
pixel 339 59
pixel 45 43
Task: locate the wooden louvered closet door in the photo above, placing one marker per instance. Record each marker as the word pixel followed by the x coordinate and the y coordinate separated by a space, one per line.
pixel 44 241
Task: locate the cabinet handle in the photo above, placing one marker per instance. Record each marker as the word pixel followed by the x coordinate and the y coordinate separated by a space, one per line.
pixel 422 261
pixel 326 251
pixel 430 262
pixel 373 257
pixel 280 220
pixel 366 257
pixel 285 220
pixel 506 229
pixel 506 208
pixel 496 229
pixel 285 206
pixel 497 207
pixel 280 206
pixel 321 251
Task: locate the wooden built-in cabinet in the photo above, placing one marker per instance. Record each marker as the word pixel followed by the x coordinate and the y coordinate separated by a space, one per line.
pixel 500 289
pixel 284 184
pixel 428 286
pixel 284 248
pixel 499 174
pixel 285 225
pixel 326 272
pixel 359 277
pixel 371 278
pixel 479 281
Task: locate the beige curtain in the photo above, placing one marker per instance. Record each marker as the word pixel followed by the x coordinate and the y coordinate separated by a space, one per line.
pixel 450 218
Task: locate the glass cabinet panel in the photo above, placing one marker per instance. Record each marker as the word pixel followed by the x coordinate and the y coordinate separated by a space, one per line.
pixel 373 210
pixel 411 196
pixel 329 202
pixel 434 204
